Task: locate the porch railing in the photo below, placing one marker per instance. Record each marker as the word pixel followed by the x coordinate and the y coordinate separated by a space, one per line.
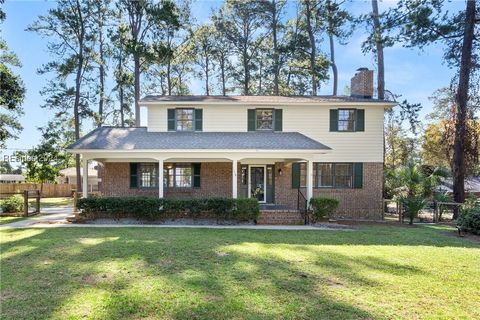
pixel 302 205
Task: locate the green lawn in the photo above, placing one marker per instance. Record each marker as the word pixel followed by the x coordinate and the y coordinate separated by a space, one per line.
pixel 5 220
pixel 153 273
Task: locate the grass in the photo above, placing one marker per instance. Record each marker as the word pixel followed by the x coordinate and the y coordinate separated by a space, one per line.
pixel 153 273
pixel 5 220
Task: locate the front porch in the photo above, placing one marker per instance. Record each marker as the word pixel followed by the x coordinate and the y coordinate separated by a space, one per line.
pixel 267 180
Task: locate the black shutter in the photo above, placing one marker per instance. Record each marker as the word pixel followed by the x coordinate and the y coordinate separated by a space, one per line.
pixel 133 175
pixel 296 175
pixel 333 120
pixel 251 119
pixel 198 119
pixel 360 120
pixel 196 175
pixel 278 119
pixel 358 175
pixel 171 119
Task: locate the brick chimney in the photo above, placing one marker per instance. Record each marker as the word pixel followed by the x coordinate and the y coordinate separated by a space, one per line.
pixel 361 85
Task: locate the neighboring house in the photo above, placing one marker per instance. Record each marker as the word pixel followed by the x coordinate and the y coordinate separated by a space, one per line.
pixel 278 149
pixel 472 185
pixel 12 178
pixel 69 176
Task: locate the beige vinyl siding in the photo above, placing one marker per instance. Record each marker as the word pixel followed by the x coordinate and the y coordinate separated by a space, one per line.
pixel 157 119
pixel 215 118
pixel 312 121
pixel 366 146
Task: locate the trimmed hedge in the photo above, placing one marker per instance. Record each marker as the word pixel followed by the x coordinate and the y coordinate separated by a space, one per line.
pixel 469 220
pixel 148 208
pixel 12 204
pixel 323 207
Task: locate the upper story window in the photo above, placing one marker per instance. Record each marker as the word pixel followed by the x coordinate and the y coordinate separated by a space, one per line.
pixel 264 119
pixel 346 120
pixel 184 119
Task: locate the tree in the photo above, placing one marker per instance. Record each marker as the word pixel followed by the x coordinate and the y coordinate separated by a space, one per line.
pixel 425 22
pixel 439 135
pixel 12 92
pixel 413 185
pixel 68 27
pixel 142 17
pixel 241 24
pixel 274 14
pixel 203 39
pixel 221 52
pixel 44 162
pixel 336 24
pixel 101 16
pixel 124 79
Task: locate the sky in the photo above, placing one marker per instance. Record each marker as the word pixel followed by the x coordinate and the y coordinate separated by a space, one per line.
pixel 412 73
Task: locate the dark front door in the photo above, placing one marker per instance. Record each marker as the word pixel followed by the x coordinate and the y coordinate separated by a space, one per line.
pixel 257 183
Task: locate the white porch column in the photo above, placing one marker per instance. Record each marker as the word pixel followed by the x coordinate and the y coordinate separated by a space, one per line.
pixel 309 180
pixel 234 179
pixel 160 178
pixel 85 179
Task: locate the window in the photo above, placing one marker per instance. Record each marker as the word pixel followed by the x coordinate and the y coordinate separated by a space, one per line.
pixel 148 175
pixel 264 119
pixel 178 176
pixel 184 119
pixel 323 175
pixel 346 120
pixel 303 175
pixel 343 175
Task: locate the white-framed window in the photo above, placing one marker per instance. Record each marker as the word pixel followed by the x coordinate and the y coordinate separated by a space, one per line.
pixel 264 119
pixel 178 176
pixel 185 119
pixel 346 120
pixel 147 175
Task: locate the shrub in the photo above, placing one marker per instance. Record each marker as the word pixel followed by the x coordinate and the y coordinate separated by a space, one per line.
pixel 247 209
pixel 323 207
pixel 150 208
pixel 413 206
pixel 469 220
pixel 12 204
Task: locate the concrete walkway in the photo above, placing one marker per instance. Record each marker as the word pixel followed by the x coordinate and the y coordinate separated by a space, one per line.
pixel 56 218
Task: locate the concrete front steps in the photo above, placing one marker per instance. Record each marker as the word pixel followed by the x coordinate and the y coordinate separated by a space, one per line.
pixel 280 217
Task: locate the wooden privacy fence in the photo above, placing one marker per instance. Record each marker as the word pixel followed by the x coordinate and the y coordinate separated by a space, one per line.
pixel 49 189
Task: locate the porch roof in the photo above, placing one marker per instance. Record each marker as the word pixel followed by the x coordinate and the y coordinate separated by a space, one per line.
pixel 125 139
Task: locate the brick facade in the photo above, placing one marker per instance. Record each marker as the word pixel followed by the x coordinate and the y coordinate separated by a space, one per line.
pixel 365 203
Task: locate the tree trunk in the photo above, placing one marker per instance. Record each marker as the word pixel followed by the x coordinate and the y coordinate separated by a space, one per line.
pixel 78 84
pixel 136 70
pixel 101 102
pixel 276 62
pixel 311 37
pixel 222 66
pixel 461 99
pixel 379 48
pixel 246 73
pixel 207 91
pixel 169 80
pixel 334 65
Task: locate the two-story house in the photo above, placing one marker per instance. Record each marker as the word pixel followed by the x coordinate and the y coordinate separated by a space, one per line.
pixel 274 148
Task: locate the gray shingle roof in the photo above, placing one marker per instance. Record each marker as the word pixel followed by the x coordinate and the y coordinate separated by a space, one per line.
pixel 113 138
pixel 258 99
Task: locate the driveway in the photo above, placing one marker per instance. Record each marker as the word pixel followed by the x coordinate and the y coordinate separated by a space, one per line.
pixel 49 216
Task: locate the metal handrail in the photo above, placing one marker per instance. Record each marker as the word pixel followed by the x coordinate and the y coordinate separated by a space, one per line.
pixel 301 199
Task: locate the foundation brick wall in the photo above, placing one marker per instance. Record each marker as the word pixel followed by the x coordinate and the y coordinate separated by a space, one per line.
pixel 215 181
pixel 365 203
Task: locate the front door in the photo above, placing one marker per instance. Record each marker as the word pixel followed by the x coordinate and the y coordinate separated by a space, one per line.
pixel 257 183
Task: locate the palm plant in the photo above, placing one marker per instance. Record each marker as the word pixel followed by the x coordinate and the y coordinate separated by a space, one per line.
pixel 413 186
